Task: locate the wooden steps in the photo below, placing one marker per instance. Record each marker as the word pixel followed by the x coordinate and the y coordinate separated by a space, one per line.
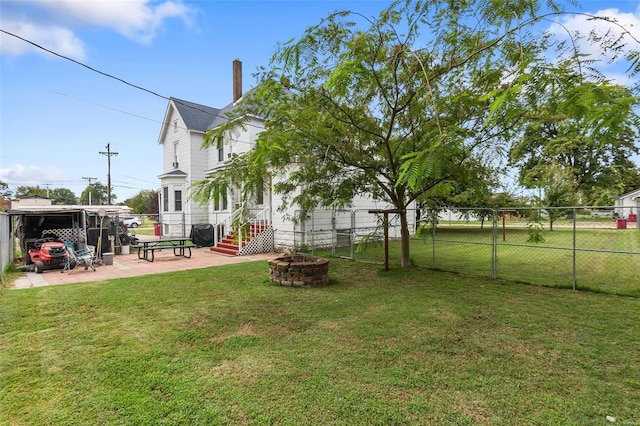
pixel 227 247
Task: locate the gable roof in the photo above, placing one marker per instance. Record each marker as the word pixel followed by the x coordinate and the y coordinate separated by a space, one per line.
pixel 633 194
pixel 195 116
pixel 222 117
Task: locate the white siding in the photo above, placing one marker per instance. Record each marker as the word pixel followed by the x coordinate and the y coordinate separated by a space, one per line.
pixel 194 161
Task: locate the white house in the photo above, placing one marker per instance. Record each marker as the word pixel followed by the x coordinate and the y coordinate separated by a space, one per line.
pixel 628 204
pixel 186 162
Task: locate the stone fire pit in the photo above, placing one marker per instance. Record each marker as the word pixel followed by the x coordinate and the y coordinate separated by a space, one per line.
pixel 299 271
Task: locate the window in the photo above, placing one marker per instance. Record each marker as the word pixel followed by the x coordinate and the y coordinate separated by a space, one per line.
pixel 224 198
pixel 220 199
pixel 260 193
pixel 175 154
pixel 175 126
pixel 177 199
pixel 165 199
pixel 221 154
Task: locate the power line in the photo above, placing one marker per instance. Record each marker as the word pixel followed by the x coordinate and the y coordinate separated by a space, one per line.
pixel 108 107
pixel 110 75
pixel 140 116
pixel 141 180
pixel 81 64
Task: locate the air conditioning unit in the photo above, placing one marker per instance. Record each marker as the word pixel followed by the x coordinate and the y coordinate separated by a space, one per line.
pixel 175 165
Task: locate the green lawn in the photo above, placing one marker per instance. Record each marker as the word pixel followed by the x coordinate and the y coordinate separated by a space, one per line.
pixel 224 346
pixel 601 262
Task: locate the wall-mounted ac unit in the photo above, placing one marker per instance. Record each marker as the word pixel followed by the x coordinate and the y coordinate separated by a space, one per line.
pixel 175 164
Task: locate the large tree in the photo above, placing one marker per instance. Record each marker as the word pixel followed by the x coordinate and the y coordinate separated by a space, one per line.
pixel 144 202
pixel 587 128
pixel 5 192
pixel 98 194
pixel 27 191
pixel 391 107
pixel 559 191
pixel 63 196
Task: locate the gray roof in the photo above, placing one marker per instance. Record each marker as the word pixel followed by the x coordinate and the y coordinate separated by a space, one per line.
pixel 195 116
pixel 173 173
pixel 221 117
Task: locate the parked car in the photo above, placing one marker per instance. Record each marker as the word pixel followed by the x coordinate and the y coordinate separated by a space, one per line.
pixel 131 221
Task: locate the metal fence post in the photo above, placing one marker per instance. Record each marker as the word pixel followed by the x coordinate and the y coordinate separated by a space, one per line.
pixel 313 227
pixel 353 227
pixel 574 248
pixel 434 221
pixel 334 235
pixel 494 245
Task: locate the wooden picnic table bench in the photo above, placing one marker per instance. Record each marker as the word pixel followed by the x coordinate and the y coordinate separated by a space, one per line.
pixel 180 247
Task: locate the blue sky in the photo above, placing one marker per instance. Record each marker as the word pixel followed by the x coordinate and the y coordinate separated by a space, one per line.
pixel 56 116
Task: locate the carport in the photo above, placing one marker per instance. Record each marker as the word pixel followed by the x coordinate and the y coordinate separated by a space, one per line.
pixel 70 225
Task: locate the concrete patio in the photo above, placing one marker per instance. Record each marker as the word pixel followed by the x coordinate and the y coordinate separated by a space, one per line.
pixel 129 265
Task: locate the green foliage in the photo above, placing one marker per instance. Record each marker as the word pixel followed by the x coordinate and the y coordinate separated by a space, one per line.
pixel 98 194
pixel 144 202
pixel 4 190
pixel 587 128
pixel 427 223
pixel 63 196
pixel 360 106
pixel 559 191
pixel 26 191
pixel 535 230
pixel 411 103
pixel 58 196
pixel 369 240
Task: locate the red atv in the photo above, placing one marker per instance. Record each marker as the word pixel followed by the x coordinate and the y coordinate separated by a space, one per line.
pixel 47 253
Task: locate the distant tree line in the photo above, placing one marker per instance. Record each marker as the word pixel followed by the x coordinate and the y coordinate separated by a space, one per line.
pixel 144 202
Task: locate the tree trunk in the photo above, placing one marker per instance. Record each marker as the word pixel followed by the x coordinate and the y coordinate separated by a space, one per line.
pixel 404 232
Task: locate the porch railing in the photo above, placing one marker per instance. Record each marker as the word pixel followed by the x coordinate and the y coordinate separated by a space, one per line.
pixel 224 227
pixel 244 224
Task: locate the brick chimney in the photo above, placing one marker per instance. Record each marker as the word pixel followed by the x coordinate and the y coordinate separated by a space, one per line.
pixel 237 79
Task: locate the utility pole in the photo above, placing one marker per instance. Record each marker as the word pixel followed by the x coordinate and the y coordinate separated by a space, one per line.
pixel 47 185
pixel 90 189
pixel 108 153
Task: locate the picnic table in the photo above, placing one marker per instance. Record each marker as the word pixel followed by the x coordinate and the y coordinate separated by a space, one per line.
pixel 147 248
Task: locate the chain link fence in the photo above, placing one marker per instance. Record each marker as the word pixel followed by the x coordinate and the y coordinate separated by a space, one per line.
pixel 575 247
pixel 596 249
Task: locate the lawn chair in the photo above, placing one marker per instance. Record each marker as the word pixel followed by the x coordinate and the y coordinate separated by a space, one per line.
pixel 84 256
pixel 69 256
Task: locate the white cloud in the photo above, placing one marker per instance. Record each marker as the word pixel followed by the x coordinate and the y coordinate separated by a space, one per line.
pixel 53 24
pixel 610 63
pixel 55 38
pixel 138 20
pixel 20 175
pixel 615 24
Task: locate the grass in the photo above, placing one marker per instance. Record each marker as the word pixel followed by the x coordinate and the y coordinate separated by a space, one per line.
pixel 468 250
pixel 225 346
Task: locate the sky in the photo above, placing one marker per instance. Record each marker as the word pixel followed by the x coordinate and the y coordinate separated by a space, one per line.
pixel 57 116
